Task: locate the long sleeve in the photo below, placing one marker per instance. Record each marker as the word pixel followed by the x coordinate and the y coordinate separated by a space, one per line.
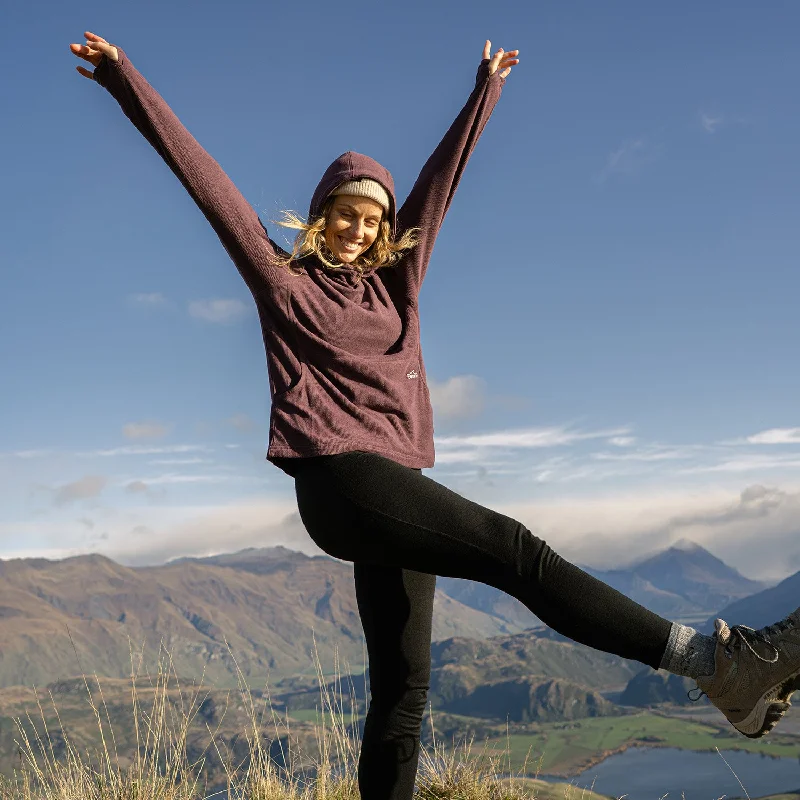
pixel 233 219
pixel 430 198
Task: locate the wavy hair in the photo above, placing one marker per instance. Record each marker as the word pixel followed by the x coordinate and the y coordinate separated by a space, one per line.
pixel 385 251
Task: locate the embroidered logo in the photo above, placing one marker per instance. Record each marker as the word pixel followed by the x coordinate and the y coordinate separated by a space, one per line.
pixel 412 374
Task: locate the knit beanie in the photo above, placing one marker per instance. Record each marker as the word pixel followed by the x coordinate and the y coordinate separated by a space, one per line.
pixel 365 187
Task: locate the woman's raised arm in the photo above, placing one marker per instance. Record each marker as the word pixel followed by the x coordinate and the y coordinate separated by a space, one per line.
pixel 232 217
pixel 428 201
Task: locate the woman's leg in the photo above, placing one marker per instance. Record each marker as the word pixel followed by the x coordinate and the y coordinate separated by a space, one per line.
pixel 364 508
pixel 396 607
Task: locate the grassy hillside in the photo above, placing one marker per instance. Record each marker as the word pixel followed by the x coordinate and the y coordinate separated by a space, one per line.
pixel 60 618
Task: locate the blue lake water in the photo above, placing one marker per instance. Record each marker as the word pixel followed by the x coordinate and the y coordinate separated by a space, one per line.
pixel 650 773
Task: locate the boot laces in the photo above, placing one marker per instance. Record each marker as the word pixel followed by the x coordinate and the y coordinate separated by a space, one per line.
pixel 745 634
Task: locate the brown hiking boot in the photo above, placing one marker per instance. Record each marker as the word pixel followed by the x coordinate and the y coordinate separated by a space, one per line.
pixel 755 673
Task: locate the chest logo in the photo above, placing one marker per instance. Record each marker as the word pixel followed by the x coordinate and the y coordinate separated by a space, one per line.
pixel 412 374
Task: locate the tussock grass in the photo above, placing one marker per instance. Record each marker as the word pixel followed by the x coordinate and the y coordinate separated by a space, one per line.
pixel 265 763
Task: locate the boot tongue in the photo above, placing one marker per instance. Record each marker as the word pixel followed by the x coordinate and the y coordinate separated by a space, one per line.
pixel 723 632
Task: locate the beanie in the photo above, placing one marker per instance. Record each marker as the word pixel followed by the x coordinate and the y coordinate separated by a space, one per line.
pixel 365 187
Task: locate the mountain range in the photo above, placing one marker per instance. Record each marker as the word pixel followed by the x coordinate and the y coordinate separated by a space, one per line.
pixel 267 611
pixel 264 612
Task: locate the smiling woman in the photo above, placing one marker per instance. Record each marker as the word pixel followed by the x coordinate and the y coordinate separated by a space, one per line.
pixel 351 421
pixel 351 229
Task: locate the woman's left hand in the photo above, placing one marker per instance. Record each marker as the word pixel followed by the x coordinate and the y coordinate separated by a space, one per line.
pixel 500 60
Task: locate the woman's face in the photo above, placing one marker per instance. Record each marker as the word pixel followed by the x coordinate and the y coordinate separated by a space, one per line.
pixel 353 224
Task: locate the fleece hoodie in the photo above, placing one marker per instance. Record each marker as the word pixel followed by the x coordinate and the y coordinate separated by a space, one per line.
pixel 343 352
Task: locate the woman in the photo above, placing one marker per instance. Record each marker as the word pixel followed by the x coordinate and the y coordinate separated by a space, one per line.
pixel 351 422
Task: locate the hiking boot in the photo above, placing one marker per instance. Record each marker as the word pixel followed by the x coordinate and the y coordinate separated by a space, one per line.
pixel 755 673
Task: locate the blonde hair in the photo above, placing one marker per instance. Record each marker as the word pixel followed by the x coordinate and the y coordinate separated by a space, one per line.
pixel 385 251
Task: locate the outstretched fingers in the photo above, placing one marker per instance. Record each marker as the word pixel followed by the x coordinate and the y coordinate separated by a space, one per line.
pixel 503 60
pixel 500 60
pixel 93 51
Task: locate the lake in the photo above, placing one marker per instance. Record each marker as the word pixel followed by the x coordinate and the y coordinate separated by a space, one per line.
pixel 650 773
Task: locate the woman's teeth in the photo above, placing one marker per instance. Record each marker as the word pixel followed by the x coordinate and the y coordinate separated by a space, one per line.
pixel 350 247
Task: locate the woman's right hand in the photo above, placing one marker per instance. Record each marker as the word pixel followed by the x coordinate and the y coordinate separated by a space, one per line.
pixel 93 51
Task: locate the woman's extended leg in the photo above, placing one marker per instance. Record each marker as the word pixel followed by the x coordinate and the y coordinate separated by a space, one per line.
pixel 396 607
pixel 364 508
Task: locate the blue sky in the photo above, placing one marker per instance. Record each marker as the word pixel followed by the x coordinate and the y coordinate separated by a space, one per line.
pixel 609 321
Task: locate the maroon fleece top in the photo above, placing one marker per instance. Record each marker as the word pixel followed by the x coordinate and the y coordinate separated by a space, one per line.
pixel 343 354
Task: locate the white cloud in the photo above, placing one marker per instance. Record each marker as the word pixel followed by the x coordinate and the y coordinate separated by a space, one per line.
pixel 144 430
pixel 152 534
pixel 747 462
pixel 459 397
pixel 218 311
pixel 628 159
pixel 652 453
pixel 754 529
pixel 83 489
pixel 145 450
pixel 710 122
pixel 776 436
pixel 148 299
pixel 555 436
pixel 458 457
pixel 622 441
pixel 176 478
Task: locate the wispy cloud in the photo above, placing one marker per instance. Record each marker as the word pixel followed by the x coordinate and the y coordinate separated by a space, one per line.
pixel 144 430
pixel 177 478
pixel 651 453
pixel 746 462
pixel 218 311
pixel 83 489
pixel 30 453
pixel 776 436
pixel 459 397
pixel 458 456
pixel 527 438
pixel 628 159
pixel 145 450
pixel 710 122
pixel 148 299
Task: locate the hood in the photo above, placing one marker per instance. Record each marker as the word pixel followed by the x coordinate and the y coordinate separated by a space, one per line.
pixel 348 167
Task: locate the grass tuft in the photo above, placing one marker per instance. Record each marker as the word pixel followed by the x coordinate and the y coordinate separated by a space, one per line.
pixel 158 757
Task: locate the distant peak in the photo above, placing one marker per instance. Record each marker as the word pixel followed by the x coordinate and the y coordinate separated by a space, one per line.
pixel 687 546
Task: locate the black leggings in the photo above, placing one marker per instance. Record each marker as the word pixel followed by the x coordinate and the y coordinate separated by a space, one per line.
pixel 401 529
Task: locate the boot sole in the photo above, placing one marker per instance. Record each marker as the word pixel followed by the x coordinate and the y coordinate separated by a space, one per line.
pixel 769 709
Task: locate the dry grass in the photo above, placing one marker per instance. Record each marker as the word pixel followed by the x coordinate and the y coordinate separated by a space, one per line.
pixel 158 765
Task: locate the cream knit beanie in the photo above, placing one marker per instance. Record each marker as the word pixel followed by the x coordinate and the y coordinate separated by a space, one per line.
pixel 365 187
